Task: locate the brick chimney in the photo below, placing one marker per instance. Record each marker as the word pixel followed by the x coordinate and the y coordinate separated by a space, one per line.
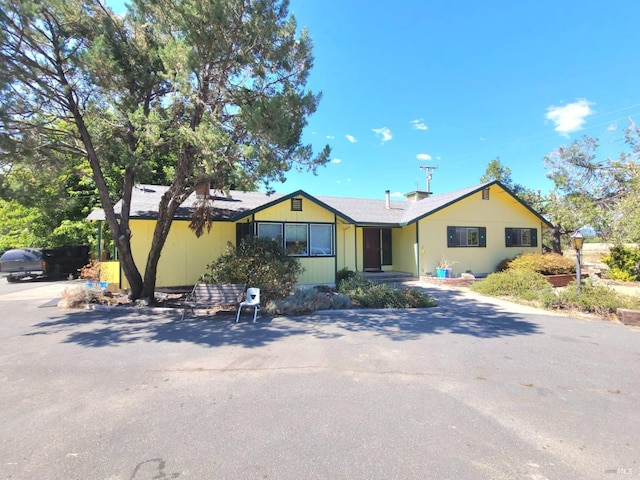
pixel 203 190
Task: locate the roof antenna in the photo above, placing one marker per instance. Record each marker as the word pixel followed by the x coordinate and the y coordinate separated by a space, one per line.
pixel 428 169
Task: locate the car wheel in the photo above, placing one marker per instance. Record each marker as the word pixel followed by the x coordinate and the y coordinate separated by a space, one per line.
pixel 11 279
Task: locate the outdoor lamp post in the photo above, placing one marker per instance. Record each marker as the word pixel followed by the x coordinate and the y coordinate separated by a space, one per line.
pixel 577 240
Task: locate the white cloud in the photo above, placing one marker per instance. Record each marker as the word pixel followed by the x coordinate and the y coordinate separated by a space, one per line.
pixel 482 139
pixel 419 124
pixel 336 160
pixel 384 133
pixel 571 117
pixel 423 156
pixel 612 128
pixel 351 138
pixel 330 137
pixel 397 194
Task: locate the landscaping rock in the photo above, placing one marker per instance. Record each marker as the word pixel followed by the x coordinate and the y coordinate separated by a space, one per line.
pixel 629 317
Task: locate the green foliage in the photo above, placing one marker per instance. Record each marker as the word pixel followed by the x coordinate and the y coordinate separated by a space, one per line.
pixel 588 190
pixel 503 264
pixel 174 92
pixel 593 298
pixel 73 233
pixel 344 274
pixel 20 226
pixel 519 283
pixel 624 263
pixel 544 263
pixel 380 295
pixel 257 262
pixel 305 300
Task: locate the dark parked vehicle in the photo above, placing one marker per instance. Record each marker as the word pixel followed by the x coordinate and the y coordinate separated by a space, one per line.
pixel 22 262
pixel 54 263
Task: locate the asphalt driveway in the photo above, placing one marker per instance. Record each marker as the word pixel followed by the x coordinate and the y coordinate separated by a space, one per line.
pixel 469 389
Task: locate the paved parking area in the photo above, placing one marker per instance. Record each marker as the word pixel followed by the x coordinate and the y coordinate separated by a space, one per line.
pixel 470 389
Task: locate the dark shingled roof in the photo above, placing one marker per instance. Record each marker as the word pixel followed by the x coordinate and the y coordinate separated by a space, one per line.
pixel 146 198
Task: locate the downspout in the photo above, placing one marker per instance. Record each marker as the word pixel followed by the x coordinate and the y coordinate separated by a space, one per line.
pixel 335 249
pixel 418 249
pixel 355 246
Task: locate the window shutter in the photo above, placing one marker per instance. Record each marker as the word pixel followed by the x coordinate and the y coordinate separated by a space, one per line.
pixel 451 236
pixel 508 237
pixel 386 247
pixel 483 236
pixel 243 230
pixel 534 237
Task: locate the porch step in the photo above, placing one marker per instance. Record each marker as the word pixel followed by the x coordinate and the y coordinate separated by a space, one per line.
pixel 388 277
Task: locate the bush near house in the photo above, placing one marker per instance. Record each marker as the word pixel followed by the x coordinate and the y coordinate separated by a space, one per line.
pixel 544 263
pixel 593 298
pixel 257 262
pixel 519 283
pixel 306 300
pixel 532 287
pixel 368 294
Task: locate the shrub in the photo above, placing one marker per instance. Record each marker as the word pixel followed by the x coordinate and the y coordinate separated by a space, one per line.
pixel 305 300
pixel 598 299
pixel 78 296
pixel 544 263
pixel 503 264
pixel 368 294
pixel 623 263
pixel 344 274
pixel 257 262
pixel 519 283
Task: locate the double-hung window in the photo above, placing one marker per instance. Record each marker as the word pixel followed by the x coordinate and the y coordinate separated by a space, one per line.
pixel 466 237
pixel 521 237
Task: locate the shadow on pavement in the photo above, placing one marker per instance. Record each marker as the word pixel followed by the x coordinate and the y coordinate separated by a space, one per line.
pixel 455 313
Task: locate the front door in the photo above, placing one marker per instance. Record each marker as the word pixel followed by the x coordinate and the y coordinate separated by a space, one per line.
pixel 372 254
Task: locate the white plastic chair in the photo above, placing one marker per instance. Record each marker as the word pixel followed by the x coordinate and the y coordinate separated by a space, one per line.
pixel 252 300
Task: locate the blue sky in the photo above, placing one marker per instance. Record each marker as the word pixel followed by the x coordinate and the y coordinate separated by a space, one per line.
pixel 455 84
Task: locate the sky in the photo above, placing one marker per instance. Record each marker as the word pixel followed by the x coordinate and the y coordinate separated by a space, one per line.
pixel 455 84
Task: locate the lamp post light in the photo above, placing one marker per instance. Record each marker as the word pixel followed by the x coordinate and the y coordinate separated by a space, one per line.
pixel 577 240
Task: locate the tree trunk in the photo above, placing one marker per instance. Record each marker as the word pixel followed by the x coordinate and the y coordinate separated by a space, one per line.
pixel 167 208
pixel 119 230
pixel 556 244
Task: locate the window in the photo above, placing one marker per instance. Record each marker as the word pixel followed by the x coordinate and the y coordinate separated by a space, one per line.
pixel 485 194
pixel 521 237
pixel 296 239
pixel 321 237
pixel 296 204
pixel 270 230
pixel 466 237
pixel 301 239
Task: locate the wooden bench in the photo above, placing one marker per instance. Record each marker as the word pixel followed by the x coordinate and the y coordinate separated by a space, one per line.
pixel 205 295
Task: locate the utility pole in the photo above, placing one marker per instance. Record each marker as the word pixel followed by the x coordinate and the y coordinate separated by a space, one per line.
pixel 428 169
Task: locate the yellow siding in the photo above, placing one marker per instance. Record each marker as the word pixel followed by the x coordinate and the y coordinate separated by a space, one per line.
pixel 346 246
pixel 497 213
pixel 318 270
pixel 185 256
pixel 403 241
pixel 281 212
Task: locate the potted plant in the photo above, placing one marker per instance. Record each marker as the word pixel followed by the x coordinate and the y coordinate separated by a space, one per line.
pixel 443 270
